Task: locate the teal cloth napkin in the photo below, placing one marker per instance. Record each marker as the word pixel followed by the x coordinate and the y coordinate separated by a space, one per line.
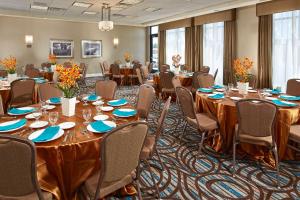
pixel 280 103
pixel 38 78
pixel 40 81
pixel 18 111
pixel 117 102
pixel 290 98
pixel 15 125
pixel 218 87
pixel 100 126
pixel 123 113
pixel 55 100
pixel 205 90
pixel 275 91
pixel 47 134
pixel 92 97
pixel 217 96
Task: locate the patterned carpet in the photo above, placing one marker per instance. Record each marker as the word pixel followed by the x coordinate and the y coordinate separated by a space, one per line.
pixel 187 177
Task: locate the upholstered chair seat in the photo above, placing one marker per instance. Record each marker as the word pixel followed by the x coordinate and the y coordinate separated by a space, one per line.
pixel 204 122
pixel 148 147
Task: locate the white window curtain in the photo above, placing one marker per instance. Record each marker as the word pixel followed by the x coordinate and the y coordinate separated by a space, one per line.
pixel 286 47
pixel 175 44
pixel 213 44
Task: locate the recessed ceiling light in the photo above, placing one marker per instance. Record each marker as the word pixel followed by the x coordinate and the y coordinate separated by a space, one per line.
pixel 151 9
pixel 89 13
pixel 39 6
pixel 130 2
pixel 82 4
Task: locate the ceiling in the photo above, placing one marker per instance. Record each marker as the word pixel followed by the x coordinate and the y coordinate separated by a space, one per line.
pixel 124 12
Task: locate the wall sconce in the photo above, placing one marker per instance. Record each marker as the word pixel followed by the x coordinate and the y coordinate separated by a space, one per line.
pixel 116 42
pixel 28 41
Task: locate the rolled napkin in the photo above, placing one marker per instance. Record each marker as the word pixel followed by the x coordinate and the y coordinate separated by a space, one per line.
pixel 15 125
pixel 18 111
pixel 47 134
pixel 205 90
pixel 38 78
pixel 40 81
pixel 217 87
pixel 290 98
pixel 216 96
pixel 100 126
pixel 282 103
pixel 92 97
pixel 55 100
pixel 117 102
pixel 275 91
pixel 124 112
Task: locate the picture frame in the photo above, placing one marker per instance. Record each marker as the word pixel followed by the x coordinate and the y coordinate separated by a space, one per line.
pixel 62 48
pixel 91 48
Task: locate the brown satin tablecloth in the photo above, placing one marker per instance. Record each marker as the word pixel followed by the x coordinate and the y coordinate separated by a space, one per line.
pixel 225 112
pixel 126 71
pixel 62 168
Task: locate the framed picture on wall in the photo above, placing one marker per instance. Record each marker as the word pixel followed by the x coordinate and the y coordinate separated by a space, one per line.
pixel 91 48
pixel 62 48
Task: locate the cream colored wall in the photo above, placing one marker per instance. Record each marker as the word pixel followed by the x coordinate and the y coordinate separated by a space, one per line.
pixel 247 34
pixel 14 29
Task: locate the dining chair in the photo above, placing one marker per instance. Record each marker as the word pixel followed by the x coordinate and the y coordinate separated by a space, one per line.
pixel 1 106
pixel 119 161
pixel 150 146
pixel 22 91
pixel 141 80
pixel 116 73
pixel 134 75
pixel 293 87
pixel 48 90
pixel 206 80
pixel 256 122
pixel 294 137
pixel 252 80
pixel 205 69
pixel 164 68
pixel 166 83
pixel 32 72
pixel 176 82
pixel 83 69
pixel 216 73
pixel 150 68
pixel 29 66
pixel 3 73
pixel 145 99
pixel 195 82
pixel 145 72
pixel 18 173
pixel 106 89
pixel 200 121
pixel 104 67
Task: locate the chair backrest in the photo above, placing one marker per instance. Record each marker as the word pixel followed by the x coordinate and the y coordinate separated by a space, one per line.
pixel 67 64
pixel 293 87
pixel 102 70
pixel 145 72
pixel 256 117
pixel 206 80
pixel 1 106
pixel 83 68
pixel 136 66
pixel 22 91
pixel 162 118
pixel 18 167
pixel 32 72
pixel 29 66
pixel 216 73
pixel 3 73
pixel 252 81
pixel 139 75
pixel 115 69
pixel 166 79
pixel 145 99
pixel 164 68
pixel 195 81
pixel 205 69
pixel 106 89
pixel 106 66
pixel 186 102
pixel 150 67
pixel 48 90
pixel 46 65
pixel 176 82
pixel 120 152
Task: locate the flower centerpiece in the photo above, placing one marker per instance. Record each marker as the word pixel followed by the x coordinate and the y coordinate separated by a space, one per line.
pixel 52 61
pixel 127 58
pixel 68 85
pixel 10 65
pixel 242 75
pixel 176 63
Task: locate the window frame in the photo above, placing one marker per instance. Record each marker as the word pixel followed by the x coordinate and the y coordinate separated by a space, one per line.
pixel 152 35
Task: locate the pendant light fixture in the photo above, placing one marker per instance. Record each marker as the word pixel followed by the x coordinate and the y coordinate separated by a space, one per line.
pixel 105 24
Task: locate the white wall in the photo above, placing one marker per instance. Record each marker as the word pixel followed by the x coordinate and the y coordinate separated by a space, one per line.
pixel 14 29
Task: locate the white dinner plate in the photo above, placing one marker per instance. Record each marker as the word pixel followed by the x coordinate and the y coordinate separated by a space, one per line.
pixel 235 89
pixel 49 107
pixel 271 98
pixel 86 98
pixel 97 103
pixel 236 98
pixel 252 91
pixel 38 124
pixel 113 101
pixel 101 117
pixel 24 108
pixel 49 102
pixel 109 123
pixel 125 110
pixel 11 122
pixel 220 90
pixel 38 133
pixel 67 125
pixel 107 108
pixel 30 116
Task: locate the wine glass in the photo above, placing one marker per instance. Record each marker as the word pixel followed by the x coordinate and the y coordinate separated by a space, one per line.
pixel 53 117
pixel 44 107
pixel 84 98
pixel 86 113
pixel 98 108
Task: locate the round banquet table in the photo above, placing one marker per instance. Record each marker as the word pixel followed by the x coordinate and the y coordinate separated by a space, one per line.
pixel 126 71
pixel 63 167
pixel 225 112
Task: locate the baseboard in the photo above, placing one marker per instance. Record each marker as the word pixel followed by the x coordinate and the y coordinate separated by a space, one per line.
pixel 93 75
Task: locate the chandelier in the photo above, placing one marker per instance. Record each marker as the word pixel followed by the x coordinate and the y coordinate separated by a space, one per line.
pixel 105 24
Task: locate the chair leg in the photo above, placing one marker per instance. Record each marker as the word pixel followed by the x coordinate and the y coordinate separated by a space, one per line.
pixel 160 161
pixel 137 181
pixel 201 143
pixel 277 165
pixel 234 154
pixel 153 180
pixel 184 129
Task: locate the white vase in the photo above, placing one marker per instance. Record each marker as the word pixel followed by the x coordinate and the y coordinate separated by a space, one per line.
pixel 127 64
pixel 68 106
pixel 53 67
pixel 243 87
pixel 11 77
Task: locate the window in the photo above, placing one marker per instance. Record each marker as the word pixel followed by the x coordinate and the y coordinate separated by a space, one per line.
pixel 213 44
pixel 286 47
pixel 154 45
pixel 175 44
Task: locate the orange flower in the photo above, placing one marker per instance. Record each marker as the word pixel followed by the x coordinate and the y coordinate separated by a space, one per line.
pixel 127 57
pixel 10 64
pixel 241 68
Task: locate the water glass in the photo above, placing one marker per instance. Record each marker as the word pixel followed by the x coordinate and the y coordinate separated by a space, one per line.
pixel 43 107
pixel 86 113
pixel 53 117
pixel 37 114
pixel 226 91
pixel 230 86
pixel 98 108
pixel 84 99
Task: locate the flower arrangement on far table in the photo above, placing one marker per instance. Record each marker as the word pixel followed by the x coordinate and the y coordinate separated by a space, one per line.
pixel 9 64
pixel 241 69
pixel 176 60
pixel 127 57
pixel 52 59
